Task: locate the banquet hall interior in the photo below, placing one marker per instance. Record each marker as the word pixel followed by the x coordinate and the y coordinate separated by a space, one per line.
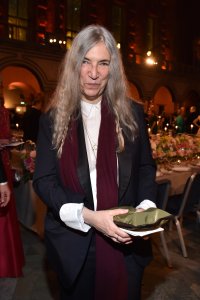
pixel 159 42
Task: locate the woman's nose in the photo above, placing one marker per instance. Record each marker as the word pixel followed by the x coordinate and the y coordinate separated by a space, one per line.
pixel 93 73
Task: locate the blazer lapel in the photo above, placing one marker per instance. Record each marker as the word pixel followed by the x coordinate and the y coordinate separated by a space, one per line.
pixel 83 167
pixel 125 165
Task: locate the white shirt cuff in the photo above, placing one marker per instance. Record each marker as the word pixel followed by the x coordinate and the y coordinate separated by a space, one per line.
pixel 3 183
pixel 71 215
pixel 145 204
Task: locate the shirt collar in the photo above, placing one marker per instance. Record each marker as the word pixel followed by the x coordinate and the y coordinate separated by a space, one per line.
pixel 87 108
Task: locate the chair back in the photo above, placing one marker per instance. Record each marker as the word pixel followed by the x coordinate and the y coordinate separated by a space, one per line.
pixel 163 189
pixel 190 194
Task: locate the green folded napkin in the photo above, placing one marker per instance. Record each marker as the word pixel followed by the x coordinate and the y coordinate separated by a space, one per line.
pixel 149 219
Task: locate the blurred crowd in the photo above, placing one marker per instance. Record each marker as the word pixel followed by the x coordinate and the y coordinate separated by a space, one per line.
pixel 182 121
pixel 26 124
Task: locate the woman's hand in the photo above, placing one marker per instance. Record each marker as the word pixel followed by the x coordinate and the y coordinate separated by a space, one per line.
pixel 102 221
pixel 4 195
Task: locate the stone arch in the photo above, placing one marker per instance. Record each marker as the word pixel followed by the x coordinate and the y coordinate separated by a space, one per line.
pixel 34 67
pixel 19 80
pixel 135 91
pixel 163 100
pixel 191 98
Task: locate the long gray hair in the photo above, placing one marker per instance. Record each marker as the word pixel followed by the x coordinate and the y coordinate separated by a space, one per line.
pixel 66 99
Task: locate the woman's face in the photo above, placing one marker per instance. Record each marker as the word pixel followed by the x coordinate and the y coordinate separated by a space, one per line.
pixel 94 73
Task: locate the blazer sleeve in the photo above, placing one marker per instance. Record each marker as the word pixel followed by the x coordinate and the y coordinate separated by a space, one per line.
pixel 46 179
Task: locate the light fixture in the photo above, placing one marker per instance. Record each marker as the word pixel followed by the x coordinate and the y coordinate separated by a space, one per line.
pixel 150 60
pixel 20 109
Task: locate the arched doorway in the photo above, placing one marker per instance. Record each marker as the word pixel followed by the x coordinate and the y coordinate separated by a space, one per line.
pixel 163 101
pixel 134 92
pixel 192 98
pixel 18 83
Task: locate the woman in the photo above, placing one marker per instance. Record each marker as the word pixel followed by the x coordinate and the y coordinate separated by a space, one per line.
pixel 196 122
pixel 11 249
pixel 180 120
pixel 4 188
pixel 93 155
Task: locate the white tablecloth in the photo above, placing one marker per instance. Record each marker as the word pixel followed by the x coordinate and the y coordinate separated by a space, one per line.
pixel 178 179
pixel 30 209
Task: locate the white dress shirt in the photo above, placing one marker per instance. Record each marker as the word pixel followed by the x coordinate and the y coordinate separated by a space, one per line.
pixel 71 213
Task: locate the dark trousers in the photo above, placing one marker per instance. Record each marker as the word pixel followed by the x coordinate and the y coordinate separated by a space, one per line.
pixel 84 286
pixel 135 276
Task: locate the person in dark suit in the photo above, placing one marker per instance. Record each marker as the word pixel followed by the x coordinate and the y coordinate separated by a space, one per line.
pixel 94 158
pixel 4 188
pixel 191 127
pixel 31 119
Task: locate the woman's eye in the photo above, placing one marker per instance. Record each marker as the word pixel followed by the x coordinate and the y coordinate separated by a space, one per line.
pixel 85 61
pixel 104 63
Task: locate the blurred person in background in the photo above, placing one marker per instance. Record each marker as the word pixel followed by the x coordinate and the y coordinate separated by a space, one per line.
pixel 152 121
pixel 191 127
pixel 4 188
pixel 180 120
pixel 30 123
pixel 11 249
pixel 196 123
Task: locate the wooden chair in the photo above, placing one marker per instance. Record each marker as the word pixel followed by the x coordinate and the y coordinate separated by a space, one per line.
pixel 179 205
pixel 194 198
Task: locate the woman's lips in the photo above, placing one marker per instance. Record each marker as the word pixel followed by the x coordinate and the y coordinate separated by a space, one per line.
pixel 92 85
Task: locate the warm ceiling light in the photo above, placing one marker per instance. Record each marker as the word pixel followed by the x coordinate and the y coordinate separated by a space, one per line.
pixel 20 109
pixel 150 60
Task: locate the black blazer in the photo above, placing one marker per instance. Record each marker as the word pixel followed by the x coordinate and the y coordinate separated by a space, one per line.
pixel 2 172
pixel 67 248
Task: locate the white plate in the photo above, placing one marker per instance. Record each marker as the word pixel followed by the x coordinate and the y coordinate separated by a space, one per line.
pixel 14 144
pixel 158 173
pixel 142 233
pixel 181 169
pixel 164 171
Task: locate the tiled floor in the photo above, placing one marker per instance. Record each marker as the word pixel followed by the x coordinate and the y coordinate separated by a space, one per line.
pixel 160 282
pixel 182 282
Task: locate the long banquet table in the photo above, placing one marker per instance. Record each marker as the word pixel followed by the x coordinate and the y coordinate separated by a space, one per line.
pixel 178 178
pixel 31 210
